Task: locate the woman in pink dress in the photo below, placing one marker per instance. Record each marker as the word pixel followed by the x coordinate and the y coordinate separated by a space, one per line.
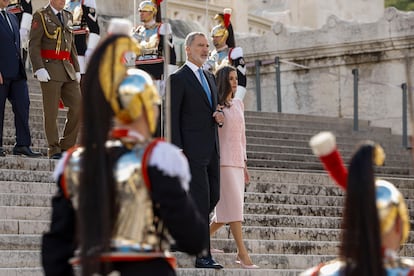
pixel 233 171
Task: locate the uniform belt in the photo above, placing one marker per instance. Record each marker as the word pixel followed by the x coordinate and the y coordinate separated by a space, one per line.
pixel 52 54
pixel 16 8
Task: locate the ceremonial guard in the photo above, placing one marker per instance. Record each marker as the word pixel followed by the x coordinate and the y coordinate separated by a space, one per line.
pixel 126 192
pixel 375 221
pixel 151 37
pixel 55 64
pixel 85 28
pixel 23 10
pixel 225 51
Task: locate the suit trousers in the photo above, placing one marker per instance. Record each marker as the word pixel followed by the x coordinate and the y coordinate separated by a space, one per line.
pixel 17 93
pixel 69 92
pixel 205 188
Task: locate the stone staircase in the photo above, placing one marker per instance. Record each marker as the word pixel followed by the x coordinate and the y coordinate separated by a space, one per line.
pixel 293 210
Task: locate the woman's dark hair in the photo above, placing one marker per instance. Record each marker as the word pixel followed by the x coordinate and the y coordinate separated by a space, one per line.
pixel 361 240
pixel 223 83
pixel 97 207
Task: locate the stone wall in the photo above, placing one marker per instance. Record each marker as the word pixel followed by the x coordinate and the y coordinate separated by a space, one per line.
pixel 323 84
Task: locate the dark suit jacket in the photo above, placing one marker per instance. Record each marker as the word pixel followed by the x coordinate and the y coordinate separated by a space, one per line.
pixel 192 124
pixel 11 65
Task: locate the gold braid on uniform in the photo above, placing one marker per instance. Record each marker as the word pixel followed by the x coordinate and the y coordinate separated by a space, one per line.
pixel 56 35
pixel 127 99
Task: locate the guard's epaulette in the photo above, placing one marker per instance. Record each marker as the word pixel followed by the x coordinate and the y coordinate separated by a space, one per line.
pixel 407 262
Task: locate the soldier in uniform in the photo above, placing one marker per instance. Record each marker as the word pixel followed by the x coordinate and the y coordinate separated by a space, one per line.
pixel 55 64
pixel 226 52
pixel 150 36
pixel 375 220
pixel 23 10
pixel 129 191
pixel 85 28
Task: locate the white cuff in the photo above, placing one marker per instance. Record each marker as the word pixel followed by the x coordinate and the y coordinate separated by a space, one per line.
pixel 236 53
pixel 82 64
pixel 93 40
pixel 240 92
pixel 323 143
pixel 26 21
pixel 165 29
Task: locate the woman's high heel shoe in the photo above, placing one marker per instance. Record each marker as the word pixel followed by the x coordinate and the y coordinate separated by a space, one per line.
pixel 239 261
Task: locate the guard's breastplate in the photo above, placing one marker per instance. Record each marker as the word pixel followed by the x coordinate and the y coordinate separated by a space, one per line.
pixel 218 59
pixel 149 40
pixel 136 229
pixel 79 25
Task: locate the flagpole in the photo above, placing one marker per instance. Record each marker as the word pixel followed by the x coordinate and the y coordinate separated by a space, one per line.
pixel 166 122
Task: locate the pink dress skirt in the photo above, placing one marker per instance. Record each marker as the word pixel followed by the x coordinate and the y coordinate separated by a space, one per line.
pixel 230 206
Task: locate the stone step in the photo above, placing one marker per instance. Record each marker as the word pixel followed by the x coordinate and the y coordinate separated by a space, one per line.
pixel 309 158
pixel 392 142
pixel 20 242
pixel 22 227
pixel 27 187
pixel 256 148
pixel 311 127
pixel 300 166
pixel 318 179
pixel 23 163
pixel 25 212
pixel 265 261
pixel 22 271
pixel 291 140
pixel 301 117
pixel 26 175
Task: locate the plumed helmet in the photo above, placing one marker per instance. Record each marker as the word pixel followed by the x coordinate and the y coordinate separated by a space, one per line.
pixel 223 22
pixel 130 92
pixel 149 6
pixel 389 200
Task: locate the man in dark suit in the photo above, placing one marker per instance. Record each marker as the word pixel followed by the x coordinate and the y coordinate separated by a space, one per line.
pixel 13 85
pixel 194 122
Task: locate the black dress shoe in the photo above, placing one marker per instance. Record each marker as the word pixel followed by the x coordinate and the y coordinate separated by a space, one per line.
pixel 207 262
pixel 56 156
pixel 25 150
pixel 2 152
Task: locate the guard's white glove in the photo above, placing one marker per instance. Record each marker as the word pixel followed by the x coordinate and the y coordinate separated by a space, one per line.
pixel 24 38
pixel 78 77
pixel 42 75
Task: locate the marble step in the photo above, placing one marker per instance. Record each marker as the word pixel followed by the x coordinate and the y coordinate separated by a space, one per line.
pixel 290 140
pixel 31 259
pixel 345 152
pixel 26 176
pixel 37 271
pixel 317 166
pixel 310 158
pixel 340 129
pixel 306 135
pixel 27 187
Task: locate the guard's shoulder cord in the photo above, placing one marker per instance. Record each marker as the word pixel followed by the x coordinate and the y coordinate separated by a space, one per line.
pixel 56 35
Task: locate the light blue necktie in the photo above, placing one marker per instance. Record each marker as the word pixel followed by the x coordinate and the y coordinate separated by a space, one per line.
pixel 205 85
